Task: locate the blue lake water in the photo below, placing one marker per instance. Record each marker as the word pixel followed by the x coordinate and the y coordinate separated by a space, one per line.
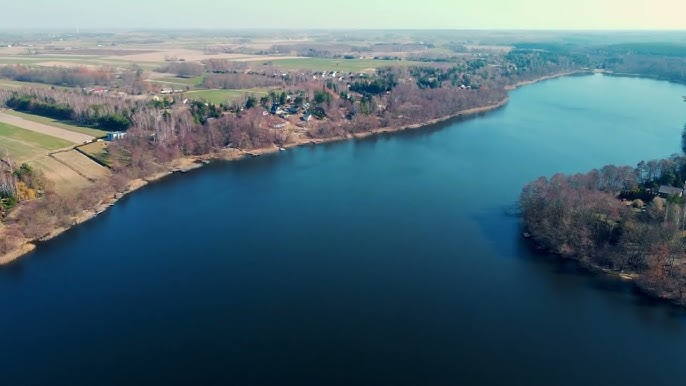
pixel 384 261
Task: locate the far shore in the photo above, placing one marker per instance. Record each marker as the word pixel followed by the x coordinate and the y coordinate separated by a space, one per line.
pixel 184 165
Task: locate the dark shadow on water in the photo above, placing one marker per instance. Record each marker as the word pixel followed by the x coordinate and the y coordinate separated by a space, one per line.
pixel 504 233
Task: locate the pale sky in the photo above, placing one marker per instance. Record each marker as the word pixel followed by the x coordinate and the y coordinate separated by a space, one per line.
pixel 344 14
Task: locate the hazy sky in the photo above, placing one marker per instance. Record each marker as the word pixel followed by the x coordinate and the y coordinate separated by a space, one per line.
pixel 458 14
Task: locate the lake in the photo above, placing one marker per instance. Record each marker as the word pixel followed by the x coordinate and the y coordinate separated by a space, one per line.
pixel 385 261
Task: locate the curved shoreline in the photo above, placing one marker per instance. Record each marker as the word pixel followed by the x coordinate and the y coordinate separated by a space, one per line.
pixel 190 163
pixel 629 277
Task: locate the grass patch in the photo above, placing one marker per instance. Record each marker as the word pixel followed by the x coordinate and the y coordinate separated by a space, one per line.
pixel 192 82
pixel 19 60
pixel 224 96
pixel 44 141
pixel 24 144
pixel 82 164
pixel 97 150
pixel 17 150
pixel 66 180
pixel 13 84
pixel 71 126
pixel 345 65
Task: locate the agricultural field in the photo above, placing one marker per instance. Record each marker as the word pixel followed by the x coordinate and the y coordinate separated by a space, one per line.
pixel 41 128
pixel 345 65
pixel 172 80
pixel 23 145
pixel 56 123
pixel 68 170
pixel 13 84
pixel 65 178
pixel 97 150
pixel 223 96
pixel 81 164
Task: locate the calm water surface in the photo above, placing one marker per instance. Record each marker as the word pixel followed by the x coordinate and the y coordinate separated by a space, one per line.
pixel 386 261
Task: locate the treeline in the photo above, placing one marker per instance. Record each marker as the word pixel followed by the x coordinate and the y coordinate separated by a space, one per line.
pixel 665 68
pixel 222 66
pixel 58 76
pixel 665 60
pixel 37 218
pixel 525 64
pixel 376 86
pixel 239 81
pixel 409 103
pixel 596 219
pixel 106 113
pixel 183 69
pixel 22 184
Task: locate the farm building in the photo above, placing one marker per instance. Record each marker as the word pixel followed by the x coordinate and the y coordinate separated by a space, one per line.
pixel 115 135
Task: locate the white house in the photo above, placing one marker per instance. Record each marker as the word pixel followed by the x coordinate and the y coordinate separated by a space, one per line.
pixel 115 135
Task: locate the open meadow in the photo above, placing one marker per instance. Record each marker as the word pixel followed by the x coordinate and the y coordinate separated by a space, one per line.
pixel 67 169
pixel 85 130
pixel 23 145
pixel 341 65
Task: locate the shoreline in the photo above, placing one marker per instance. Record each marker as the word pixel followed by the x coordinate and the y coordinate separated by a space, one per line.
pixel 543 78
pixel 186 164
pixel 628 277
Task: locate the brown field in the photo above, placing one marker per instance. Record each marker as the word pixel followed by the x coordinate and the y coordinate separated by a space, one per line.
pixel 489 48
pixel 83 165
pixel 70 64
pixel 45 129
pixel 94 51
pixel 12 50
pixel 65 179
pixel 252 58
pixel 186 54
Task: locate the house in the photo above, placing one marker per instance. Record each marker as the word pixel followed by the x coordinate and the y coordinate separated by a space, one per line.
pixel 277 109
pixel 306 117
pixel 666 191
pixel 115 135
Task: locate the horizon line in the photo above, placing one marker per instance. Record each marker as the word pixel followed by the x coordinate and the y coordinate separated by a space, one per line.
pixel 329 29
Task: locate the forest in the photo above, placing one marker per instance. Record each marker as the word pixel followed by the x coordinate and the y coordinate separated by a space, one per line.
pixel 615 219
pixel 58 76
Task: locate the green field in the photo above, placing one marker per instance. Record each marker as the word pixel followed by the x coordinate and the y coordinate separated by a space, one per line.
pixel 61 124
pixel 97 150
pixel 23 144
pixel 223 96
pixel 193 82
pixel 345 65
pixel 13 84
pixel 18 60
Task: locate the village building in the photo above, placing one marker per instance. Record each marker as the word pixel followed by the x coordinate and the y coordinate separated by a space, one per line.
pixel 667 191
